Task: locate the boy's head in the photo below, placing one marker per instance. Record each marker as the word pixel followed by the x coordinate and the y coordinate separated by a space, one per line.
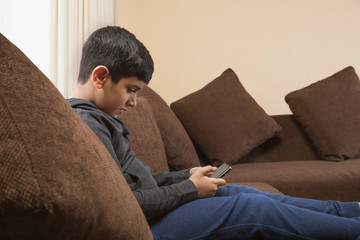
pixel 114 67
pixel 119 51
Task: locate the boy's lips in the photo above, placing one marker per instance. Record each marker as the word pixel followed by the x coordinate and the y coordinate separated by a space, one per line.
pixel 121 110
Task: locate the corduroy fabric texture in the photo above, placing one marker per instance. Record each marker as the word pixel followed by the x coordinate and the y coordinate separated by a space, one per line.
pixel 329 113
pixel 57 180
pixel 180 151
pixel 223 120
pixel 145 136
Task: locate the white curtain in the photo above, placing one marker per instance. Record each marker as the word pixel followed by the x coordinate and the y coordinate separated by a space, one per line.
pixel 26 24
pixel 72 22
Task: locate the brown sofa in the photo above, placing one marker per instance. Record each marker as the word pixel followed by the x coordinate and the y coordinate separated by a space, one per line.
pixel 57 180
pixel 287 161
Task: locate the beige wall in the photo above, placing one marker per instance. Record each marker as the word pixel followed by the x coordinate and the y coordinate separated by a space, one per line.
pixel 274 46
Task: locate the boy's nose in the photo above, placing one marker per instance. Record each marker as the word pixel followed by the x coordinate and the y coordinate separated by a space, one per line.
pixel 132 101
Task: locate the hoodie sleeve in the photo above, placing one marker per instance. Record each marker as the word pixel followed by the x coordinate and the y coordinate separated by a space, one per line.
pixel 159 201
pixel 168 178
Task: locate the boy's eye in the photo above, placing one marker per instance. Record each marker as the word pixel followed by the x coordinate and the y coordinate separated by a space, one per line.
pixel 132 90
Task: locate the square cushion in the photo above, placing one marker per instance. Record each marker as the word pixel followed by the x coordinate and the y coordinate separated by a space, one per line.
pixel 180 151
pixel 57 180
pixel 223 120
pixel 329 113
pixel 145 136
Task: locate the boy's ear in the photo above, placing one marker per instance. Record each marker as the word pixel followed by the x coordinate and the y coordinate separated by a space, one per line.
pixel 99 75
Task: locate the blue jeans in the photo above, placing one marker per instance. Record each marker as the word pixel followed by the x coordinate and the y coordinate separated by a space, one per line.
pixel 240 212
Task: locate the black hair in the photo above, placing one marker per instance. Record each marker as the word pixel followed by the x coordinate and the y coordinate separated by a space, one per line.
pixel 118 50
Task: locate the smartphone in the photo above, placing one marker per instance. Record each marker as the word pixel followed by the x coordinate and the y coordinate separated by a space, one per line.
pixel 221 171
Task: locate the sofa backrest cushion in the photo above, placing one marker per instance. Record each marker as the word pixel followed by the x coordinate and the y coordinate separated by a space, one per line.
pixel 291 144
pixel 57 180
pixel 223 120
pixel 145 136
pixel 329 113
pixel 180 151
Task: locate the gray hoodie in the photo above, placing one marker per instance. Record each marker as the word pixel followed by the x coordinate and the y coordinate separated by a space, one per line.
pixel 156 193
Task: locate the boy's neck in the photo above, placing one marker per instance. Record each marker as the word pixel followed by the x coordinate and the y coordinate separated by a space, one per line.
pixel 84 91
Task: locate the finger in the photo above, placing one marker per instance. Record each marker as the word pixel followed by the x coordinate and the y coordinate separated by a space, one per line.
pixel 221 182
pixel 208 170
pixel 193 170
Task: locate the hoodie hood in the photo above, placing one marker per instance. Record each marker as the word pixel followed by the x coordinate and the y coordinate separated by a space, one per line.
pixel 79 105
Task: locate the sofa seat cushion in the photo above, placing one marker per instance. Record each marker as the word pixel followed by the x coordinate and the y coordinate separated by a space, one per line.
pixel 315 179
pixel 57 180
pixel 223 120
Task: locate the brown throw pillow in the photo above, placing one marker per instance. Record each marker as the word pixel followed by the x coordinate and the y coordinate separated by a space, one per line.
pixel 145 136
pixel 329 113
pixel 180 151
pixel 223 120
pixel 57 180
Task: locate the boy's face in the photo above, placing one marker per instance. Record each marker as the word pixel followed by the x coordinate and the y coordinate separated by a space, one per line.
pixel 116 98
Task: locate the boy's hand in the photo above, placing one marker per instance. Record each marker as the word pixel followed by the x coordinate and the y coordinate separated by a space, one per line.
pixel 193 170
pixel 206 185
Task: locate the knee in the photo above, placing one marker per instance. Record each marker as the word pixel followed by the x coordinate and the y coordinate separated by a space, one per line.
pixel 234 189
pixel 231 190
pixel 245 189
pixel 254 201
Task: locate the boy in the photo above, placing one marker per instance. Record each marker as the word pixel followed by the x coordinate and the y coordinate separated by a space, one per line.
pixel 188 204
